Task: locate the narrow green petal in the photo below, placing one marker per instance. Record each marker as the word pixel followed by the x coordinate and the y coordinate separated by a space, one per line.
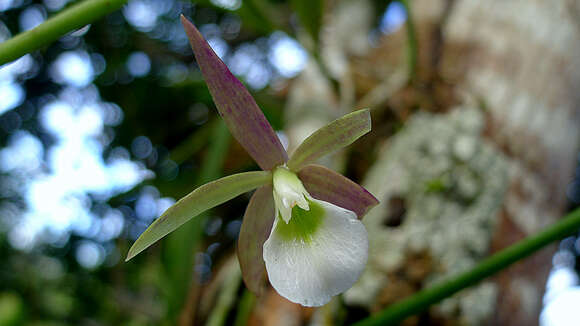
pixel 201 199
pixel 334 136
pixel 256 227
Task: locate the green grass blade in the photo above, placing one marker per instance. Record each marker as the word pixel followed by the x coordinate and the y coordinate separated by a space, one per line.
pixel 310 14
pixel 180 246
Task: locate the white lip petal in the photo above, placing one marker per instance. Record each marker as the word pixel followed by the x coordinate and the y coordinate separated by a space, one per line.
pixel 312 272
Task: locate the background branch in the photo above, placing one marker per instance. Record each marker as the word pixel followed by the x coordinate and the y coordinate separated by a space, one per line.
pixel 68 20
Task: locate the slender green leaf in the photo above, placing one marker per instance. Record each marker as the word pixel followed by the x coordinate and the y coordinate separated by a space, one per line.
pixel 229 277
pixel 242 115
pixel 201 199
pixel 412 47
pixel 256 227
pixel 245 306
pixel 325 184
pixel 332 137
pixel 66 21
pixel 310 15
pixel 256 15
pixel 180 246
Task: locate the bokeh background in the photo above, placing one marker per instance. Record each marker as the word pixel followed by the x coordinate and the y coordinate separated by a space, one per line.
pixel 474 146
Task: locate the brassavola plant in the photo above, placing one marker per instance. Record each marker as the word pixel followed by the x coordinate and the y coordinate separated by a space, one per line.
pixel 302 225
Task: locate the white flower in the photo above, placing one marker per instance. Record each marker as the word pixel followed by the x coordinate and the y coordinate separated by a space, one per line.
pixel 317 250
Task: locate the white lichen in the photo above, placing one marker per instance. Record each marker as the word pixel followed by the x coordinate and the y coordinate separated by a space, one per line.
pixel 453 183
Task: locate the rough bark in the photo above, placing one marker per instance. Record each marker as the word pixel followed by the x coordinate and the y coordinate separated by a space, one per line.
pixel 474 151
pixel 513 68
pixel 523 61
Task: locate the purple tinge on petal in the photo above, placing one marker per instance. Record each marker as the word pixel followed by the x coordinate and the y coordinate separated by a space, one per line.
pixel 327 185
pixel 330 138
pixel 238 108
pixel 255 230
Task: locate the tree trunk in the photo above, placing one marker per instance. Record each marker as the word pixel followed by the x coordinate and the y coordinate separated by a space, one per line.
pixel 484 156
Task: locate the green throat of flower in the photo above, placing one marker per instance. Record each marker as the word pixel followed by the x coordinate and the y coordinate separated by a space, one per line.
pixel 303 224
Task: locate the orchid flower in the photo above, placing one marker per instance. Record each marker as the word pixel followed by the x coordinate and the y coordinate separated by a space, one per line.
pixel 302 224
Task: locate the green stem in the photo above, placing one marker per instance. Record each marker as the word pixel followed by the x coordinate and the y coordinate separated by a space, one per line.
pixel 245 307
pixel 411 41
pixel 68 20
pixel 227 294
pixel 182 244
pixel 423 299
